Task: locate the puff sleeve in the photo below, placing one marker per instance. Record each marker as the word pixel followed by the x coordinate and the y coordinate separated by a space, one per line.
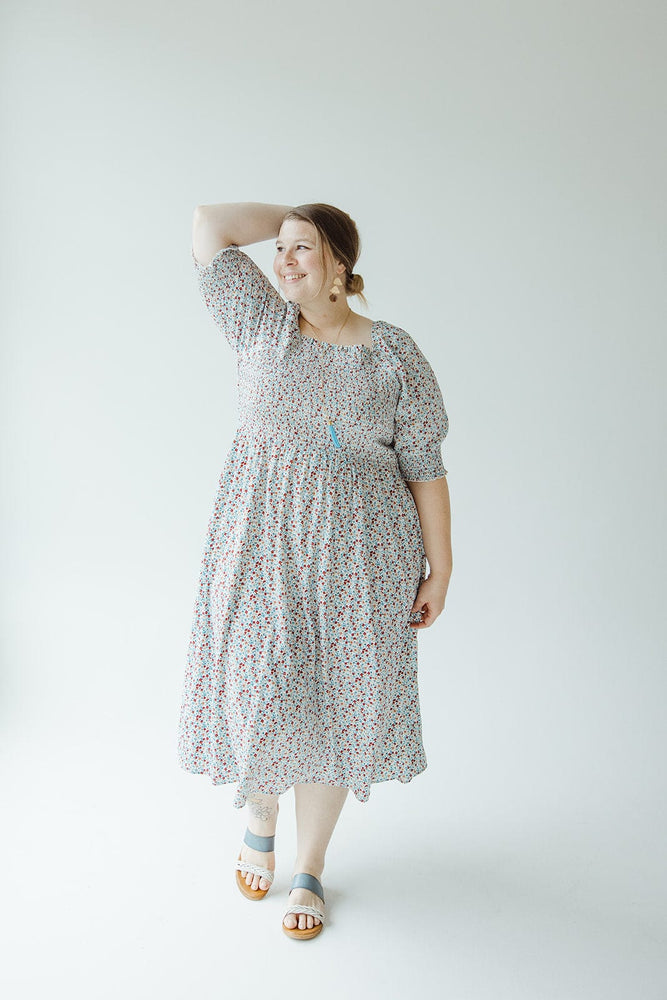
pixel 239 297
pixel 420 421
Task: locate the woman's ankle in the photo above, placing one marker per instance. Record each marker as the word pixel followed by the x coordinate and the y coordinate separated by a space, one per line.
pixel 310 865
pixel 262 815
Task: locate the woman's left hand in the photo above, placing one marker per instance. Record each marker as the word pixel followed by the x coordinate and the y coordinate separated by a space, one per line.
pixel 430 601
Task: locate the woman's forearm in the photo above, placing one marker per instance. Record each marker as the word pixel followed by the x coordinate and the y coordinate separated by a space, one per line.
pixel 433 507
pixel 241 222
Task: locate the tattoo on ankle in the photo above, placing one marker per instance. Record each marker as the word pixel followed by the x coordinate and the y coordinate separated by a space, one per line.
pixel 262 811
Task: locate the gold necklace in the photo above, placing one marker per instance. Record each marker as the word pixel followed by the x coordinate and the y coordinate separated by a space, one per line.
pixel 332 429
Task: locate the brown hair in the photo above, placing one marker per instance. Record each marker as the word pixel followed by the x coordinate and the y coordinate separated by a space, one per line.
pixel 339 232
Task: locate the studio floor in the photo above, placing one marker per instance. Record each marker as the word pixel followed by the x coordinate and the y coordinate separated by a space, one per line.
pixel 120 873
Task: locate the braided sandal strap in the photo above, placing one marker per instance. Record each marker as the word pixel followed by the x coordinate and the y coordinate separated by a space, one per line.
pixel 312 910
pixel 246 866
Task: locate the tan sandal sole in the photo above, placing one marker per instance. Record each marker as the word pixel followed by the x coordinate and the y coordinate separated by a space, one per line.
pixel 305 934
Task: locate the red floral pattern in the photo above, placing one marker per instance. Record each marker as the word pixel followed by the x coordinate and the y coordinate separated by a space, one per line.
pixel 301 664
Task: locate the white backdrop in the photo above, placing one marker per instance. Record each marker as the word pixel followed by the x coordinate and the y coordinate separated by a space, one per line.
pixel 505 164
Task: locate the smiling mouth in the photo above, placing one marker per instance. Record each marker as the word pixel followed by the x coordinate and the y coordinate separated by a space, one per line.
pixel 294 277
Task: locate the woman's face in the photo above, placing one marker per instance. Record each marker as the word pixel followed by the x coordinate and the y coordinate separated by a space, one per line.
pixel 297 262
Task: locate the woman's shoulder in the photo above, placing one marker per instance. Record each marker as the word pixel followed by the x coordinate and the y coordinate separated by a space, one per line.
pixel 402 348
pixel 395 337
pixel 240 297
pixel 232 272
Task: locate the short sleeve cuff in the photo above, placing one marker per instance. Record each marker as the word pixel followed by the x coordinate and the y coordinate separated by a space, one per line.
pixel 422 465
pixel 215 259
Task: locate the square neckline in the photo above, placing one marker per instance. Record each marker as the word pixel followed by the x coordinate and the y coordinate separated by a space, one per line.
pixel 296 309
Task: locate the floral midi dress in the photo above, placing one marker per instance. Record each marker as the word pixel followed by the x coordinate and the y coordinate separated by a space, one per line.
pixel 301 664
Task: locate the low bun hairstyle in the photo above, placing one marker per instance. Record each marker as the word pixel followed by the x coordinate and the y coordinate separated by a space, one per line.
pixel 355 284
pixel 339 232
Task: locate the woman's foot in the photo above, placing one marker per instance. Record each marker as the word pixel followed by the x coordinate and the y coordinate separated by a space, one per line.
pixel 267 859
pixel 262 820
pixel 304 897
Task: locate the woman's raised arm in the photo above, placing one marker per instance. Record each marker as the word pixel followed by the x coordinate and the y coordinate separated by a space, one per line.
pixel 240 223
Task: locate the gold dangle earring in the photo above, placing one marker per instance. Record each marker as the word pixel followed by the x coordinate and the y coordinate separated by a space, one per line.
pixel 334 290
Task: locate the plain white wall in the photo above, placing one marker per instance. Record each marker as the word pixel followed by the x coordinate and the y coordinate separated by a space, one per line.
pixel 505 165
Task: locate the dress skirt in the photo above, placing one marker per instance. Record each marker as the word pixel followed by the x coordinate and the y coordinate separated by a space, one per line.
pixel 301 664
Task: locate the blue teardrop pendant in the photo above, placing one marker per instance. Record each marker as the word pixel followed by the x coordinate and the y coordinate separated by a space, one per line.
pixel 334 436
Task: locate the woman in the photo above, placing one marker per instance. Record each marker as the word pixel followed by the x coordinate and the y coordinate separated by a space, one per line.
pixel 302 664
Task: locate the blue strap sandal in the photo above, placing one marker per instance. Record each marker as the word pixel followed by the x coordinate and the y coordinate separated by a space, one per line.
pixel 258 844
pixel 302 880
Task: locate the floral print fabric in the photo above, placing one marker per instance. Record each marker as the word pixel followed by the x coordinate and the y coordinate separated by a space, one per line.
pixel 301 665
